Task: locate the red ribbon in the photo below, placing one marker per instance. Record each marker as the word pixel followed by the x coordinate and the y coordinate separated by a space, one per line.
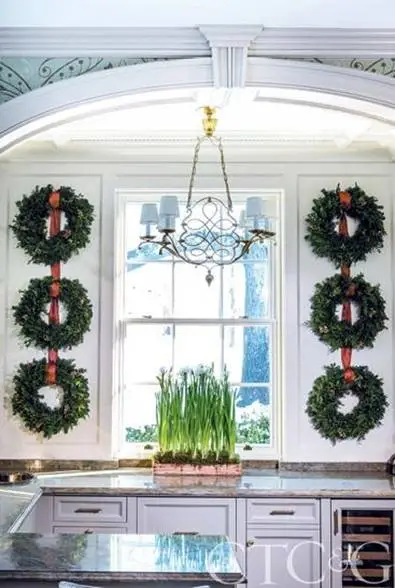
pixel 53 315
pixel 345 352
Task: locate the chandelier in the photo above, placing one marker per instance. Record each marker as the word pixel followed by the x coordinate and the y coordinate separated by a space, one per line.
pixel 208 235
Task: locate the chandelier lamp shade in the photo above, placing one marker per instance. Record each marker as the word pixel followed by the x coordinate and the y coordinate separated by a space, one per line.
pixel 208 234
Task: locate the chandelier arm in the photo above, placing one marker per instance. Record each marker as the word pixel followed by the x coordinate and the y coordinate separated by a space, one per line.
pixel 224 173
pixel 193 172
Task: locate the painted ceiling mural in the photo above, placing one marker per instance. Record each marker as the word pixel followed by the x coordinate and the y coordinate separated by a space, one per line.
pixel 21 75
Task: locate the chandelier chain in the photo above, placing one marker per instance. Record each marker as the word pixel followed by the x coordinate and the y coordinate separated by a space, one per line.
pixel 218 143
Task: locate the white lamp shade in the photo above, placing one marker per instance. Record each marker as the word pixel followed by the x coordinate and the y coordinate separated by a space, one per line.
pixel 169 206
pixel 149 213
pixel 254 207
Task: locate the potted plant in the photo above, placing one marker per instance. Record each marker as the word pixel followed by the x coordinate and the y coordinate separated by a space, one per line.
pixel 196 421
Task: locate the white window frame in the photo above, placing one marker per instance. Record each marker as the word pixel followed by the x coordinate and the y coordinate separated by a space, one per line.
pixel 136 450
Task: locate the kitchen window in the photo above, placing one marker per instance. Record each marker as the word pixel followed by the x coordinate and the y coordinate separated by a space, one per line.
pixel 167 316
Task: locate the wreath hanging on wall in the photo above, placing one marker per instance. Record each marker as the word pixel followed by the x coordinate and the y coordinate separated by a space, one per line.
pixel 30 225
pixel 28 403
pixel 38 229
pixel 328 210
pixel 338 333
pixel 32 307
pixel 329 237
pixel 325 401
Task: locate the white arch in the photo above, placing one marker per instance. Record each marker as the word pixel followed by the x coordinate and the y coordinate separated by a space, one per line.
pixel 332 87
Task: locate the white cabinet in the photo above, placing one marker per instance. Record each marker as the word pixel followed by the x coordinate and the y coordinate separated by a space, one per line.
pixel 286 558
pixel 283 511
pixel 206 516
pixel 93 509
pixel 83 514
pixel 283 542
pixel 88 530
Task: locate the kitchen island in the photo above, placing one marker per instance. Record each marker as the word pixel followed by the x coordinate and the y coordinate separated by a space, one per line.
pixel 107 560
pixel 303 519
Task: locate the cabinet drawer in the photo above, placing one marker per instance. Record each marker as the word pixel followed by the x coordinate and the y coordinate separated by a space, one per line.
pixel 89 509
pixel 205 516
pixel 299 511
pixel 87 530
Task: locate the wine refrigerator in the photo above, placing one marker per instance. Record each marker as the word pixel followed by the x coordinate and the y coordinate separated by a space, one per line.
pixel 364 545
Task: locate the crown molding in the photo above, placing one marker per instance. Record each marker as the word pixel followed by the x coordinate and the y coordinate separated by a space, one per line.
pixel 324 42
pixel 195 41
pixel 103 42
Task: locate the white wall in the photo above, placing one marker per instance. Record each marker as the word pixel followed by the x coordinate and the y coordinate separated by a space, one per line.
pixel 153 13
pixel 304 355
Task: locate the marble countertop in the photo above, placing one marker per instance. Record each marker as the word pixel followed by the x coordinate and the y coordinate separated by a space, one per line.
pixel 96 558
pixel 16 500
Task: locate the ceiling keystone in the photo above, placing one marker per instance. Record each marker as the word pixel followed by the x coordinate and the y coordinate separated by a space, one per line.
pixel 229 48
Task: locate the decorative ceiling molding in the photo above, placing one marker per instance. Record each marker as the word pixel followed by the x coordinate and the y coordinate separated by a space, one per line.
pixel 190 42
pixel 324 42
pixel 103 42
pixel 229 48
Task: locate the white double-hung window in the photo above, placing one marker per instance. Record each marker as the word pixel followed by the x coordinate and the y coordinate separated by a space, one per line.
pixel 168 317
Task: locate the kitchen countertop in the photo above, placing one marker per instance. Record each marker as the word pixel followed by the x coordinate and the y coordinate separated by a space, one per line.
pixel 16 500
pixel 115 558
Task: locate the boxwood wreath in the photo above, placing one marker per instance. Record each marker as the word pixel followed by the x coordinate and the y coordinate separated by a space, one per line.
pixel 30 225
pixel 344 249
pixel 326 397
pixel 337 333
pixel 33 304
pixel 36 415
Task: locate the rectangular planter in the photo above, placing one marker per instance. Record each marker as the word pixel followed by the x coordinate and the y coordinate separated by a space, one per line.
pixel 172 469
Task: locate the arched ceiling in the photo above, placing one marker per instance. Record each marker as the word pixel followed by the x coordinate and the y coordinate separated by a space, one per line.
pixel 245 117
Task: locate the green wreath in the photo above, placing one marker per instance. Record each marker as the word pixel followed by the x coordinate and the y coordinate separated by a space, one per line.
pixel 340 249
pixel 37 416
pixel 33 304
pixel 338 333
pixel 325 399
pixel 30 225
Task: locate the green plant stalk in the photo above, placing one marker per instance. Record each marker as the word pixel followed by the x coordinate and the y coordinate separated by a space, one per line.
pixel 196 414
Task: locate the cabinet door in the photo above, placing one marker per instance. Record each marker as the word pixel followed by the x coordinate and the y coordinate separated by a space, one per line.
pixel 362 543
pixel 286 558
pixel 205 516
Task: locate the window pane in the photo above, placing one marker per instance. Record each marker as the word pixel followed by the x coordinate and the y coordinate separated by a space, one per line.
pixel 148 290
pixel 197 345
pixel 253 414
pixel 147 349
pixel 247 353
pixel 194 298
pixel 247 289
pixel 139 414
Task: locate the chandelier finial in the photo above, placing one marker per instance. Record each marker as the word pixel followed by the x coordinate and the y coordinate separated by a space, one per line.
pixel 209 122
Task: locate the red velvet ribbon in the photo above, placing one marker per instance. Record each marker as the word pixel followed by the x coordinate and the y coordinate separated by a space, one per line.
pixel 345 352
pixel 53 315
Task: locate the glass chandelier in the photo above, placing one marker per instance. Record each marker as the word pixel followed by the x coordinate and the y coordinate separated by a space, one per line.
pixel 208 235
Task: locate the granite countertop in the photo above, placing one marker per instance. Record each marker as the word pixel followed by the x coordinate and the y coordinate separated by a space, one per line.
pixel 96 558
pixel 16 500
